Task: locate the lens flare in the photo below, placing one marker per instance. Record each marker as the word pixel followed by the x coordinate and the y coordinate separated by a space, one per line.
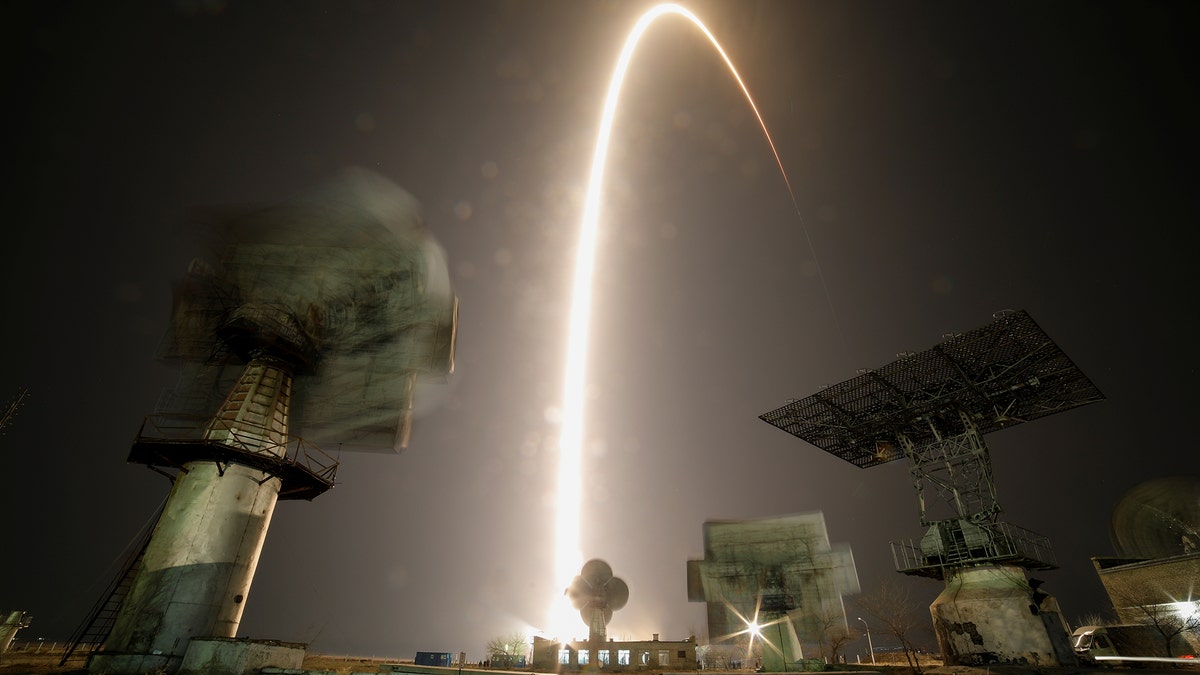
pixel 753 630
pixel 568 554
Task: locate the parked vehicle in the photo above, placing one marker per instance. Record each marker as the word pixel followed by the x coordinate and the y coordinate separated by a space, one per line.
pixel 1132 640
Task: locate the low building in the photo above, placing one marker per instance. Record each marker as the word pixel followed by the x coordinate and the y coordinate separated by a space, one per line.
pixel 577 655
pixel 442 659
pixel 1160 591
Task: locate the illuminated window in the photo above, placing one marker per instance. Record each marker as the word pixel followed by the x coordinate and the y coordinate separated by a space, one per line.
pixel 602 657
pixel 564 656
pixel 583 657
pixel 664 657
pixel 622 657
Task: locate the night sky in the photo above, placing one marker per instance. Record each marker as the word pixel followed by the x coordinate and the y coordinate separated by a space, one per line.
pixel 950 160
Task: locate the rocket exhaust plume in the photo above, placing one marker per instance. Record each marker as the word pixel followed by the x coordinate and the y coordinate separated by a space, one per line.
pixel 568 555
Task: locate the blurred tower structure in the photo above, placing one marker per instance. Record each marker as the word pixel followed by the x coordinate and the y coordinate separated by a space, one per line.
pixel 933 409
pixel 318 313
pixel 780 573
pixel 13 622
pixel 596 593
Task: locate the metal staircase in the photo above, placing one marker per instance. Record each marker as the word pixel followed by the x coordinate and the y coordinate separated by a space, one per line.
pixel 95 629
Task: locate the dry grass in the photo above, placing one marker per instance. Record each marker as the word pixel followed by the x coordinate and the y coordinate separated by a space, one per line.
pixel 39 663
pixel 344 664
pixel 46 663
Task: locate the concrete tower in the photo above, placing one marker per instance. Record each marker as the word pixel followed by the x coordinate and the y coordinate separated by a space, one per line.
pixel 319 313
pixel 196 571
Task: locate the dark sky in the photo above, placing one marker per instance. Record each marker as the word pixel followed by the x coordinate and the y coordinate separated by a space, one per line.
pixel 950 160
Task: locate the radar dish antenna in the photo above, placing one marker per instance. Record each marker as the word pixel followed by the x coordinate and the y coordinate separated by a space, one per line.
pixel 348 273
pixel 1158 519
pixel 596 593
pixel 933 408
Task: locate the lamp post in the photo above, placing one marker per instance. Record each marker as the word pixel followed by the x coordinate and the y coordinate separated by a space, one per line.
pixel 870 646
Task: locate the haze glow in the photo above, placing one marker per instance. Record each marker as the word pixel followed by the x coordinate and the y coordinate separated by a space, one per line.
pixel 568 554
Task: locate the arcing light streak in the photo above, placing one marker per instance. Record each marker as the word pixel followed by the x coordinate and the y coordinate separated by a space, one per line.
pixel 568 556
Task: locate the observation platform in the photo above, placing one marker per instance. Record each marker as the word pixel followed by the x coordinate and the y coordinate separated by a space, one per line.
pixel 174 441
pixel 947 546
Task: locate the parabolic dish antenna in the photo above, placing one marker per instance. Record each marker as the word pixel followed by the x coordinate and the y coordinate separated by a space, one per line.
pixel 596 593
pixel 1158 519
pixel 353 269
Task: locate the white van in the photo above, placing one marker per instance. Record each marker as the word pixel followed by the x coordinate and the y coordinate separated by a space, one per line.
pixel 1134 640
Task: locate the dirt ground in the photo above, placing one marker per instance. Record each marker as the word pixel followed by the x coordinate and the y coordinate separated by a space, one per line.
pixel 46 663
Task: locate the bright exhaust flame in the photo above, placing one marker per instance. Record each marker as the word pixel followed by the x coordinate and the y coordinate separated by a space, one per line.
pixel 568 556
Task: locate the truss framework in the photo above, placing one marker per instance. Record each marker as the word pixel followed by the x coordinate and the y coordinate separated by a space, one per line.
pixel 1002 374
pixel 957 472
pixel 933 408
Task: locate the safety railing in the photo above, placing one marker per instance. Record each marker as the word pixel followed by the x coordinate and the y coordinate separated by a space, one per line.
pixel 239 436
pixel 1004 543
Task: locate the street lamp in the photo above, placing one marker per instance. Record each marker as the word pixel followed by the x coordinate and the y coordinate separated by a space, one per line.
pixel 870 646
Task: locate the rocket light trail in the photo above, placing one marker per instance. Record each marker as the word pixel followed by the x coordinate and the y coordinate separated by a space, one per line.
pixel 568 554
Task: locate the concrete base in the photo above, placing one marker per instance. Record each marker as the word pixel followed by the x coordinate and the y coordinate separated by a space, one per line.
pixel 233 656
pixel 206 656
pixel 984 616
pixel 129 664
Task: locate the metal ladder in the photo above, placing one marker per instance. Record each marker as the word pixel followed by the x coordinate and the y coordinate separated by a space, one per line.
pixel 95 629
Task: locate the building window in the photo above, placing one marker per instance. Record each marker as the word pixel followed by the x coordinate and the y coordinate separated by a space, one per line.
pixel 682 654
pixel 622 657
pixel 645 659
pixel 602 657
pixel 564 656
pixel 583 657
pixel 664 657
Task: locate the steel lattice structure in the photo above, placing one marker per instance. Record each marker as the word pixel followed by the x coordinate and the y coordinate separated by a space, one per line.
pixel 1001 374
pixel 933 408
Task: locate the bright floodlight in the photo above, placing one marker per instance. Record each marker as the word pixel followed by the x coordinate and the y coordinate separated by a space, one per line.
pixel 1188 610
